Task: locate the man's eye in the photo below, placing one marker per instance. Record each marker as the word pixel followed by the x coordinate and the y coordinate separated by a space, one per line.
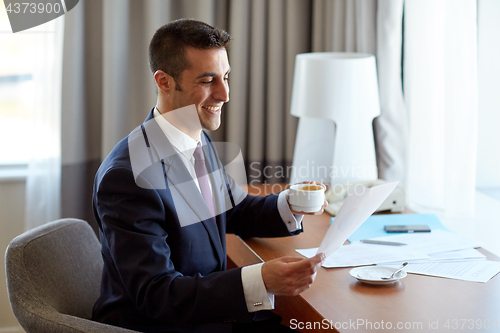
pixel 212 81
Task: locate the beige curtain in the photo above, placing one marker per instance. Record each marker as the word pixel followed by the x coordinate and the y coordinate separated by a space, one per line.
pixel 267 36
pixel 108 89
pixel 344 26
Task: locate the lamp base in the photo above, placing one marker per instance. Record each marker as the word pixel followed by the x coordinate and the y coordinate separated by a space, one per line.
pixel 315 158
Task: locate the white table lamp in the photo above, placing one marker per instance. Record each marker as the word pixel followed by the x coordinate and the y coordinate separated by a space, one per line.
pixel 335 95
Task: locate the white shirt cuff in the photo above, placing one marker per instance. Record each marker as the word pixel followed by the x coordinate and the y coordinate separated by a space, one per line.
pixel 256 295
pixel 292 221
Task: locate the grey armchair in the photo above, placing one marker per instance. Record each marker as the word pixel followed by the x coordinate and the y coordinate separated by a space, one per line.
pixel 53 278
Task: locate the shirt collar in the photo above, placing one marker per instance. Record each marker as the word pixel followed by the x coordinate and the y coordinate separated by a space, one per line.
pixel 180 140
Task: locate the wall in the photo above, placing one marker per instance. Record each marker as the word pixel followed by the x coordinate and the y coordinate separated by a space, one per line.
pixel 11 225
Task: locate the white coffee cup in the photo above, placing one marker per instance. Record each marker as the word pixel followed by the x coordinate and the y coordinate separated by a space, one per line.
pixel 307 198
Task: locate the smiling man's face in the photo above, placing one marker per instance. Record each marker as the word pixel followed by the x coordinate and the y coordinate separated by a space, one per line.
pixel 205 84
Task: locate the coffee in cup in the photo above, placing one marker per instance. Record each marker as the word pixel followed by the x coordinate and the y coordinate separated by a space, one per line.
pixel 307 198
pixel 311 188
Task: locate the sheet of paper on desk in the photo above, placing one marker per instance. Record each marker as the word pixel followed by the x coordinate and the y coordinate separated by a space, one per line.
pixel 458 255
pixel 461 255
pixel 433 242
pixel 469 270
pixel 359 254
pixel 357 207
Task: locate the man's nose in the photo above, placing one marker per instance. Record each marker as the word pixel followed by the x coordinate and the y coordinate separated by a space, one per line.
pixel 221 92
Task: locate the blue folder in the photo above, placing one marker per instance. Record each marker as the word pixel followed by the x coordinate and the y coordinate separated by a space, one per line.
pixel 374 225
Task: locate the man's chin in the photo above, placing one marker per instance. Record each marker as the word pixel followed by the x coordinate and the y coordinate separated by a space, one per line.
pixel 212 125
pixel 211 128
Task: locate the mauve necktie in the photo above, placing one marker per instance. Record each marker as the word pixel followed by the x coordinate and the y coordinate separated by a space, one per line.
pixel 201 174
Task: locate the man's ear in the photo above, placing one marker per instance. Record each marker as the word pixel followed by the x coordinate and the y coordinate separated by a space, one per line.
pixel 164 82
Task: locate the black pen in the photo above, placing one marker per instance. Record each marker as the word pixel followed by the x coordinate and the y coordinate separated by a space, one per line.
pixel 369 241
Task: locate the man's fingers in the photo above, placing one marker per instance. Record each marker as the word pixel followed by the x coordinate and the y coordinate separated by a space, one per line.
pixel 290 275
pixel 306 280
pixel 304 283
pixel 290 259
pixel 306 264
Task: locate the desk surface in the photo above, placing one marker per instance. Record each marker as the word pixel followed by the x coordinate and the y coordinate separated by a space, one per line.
pixel 336 300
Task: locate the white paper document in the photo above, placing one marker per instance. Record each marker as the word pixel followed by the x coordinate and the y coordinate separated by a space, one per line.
pixel 357 207
pixel 469 270
pixel 460 255
pixel 433 242
pixel 359 254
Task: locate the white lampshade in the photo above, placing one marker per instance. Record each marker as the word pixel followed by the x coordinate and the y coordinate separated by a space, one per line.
pixel 336 97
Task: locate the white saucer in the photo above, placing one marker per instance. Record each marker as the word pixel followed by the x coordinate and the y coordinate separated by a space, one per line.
pixel 374 274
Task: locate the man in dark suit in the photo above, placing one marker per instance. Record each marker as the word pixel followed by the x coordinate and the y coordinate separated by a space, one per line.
pixel 164 202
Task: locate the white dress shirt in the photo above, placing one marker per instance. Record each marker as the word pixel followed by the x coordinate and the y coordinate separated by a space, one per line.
pixel 256 296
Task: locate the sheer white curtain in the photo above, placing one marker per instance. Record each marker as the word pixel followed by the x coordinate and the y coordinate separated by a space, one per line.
pixel 440 80
pixel 43 185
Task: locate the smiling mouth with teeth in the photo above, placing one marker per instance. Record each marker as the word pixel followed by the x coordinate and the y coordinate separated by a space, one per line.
pixel 212 109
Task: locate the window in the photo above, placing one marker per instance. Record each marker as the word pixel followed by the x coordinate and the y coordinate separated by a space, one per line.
pixel 18 60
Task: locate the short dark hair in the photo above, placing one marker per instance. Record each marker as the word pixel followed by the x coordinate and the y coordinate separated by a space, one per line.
pixel 167 49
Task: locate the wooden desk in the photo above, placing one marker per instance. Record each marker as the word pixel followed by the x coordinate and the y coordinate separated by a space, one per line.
pixel 336 300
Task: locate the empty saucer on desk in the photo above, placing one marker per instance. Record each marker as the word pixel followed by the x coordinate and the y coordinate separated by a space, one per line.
pixel 374 274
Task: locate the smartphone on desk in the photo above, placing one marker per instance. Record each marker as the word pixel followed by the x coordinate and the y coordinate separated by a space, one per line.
pixel 407 228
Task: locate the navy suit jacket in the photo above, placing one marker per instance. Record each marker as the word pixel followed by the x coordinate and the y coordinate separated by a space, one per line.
pixel 163 270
